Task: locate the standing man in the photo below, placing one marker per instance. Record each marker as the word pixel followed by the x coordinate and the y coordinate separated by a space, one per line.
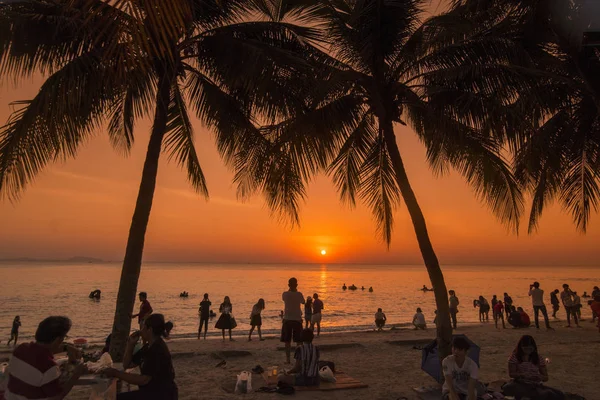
pixel 292 317
pixel 554 301
pixel 595 293
pixel 537 299
pixel 453 304
pixel 316 315
pixel 508 302
pixel 145 309
pixel 567 299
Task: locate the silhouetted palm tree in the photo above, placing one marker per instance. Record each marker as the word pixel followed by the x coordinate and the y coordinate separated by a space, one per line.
pixel 123 60
pixel 445 77
pixel 557 145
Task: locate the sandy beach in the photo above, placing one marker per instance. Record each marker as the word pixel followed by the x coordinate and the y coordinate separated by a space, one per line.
pixel 386 361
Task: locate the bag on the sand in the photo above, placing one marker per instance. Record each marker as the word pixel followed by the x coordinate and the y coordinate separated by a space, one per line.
pixel 285 388
pixel 329 364
pixel 326 374
pixel 233 322
pixel 244 383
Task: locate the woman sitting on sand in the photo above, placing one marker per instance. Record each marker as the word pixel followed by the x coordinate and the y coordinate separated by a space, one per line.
pixel 419 320
pixel 157 378
pixel 528 370
pixel 380 319
pixel 225 320
pixel 306 368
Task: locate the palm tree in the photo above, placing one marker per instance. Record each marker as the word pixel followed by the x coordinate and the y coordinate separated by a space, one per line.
pixel 115 62
pixel 557 145
pixel 382 66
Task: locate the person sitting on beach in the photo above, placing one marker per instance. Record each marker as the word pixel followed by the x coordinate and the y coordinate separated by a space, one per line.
pixel 317 315
pixel 145 309
pixel 308 311
pixel 306 368
pixel 32 371
pixel 499 314
pixel 419 320
pixel 528 370
pixel 554 301
pixel 256 319
pixel 514 317
pixel 453 304
pixel 525 320
pixel 291 327
pixel 461 373
pixel 225 321
pixel 157 378
pixel 204 312
pixel 14 332
pixel 380 319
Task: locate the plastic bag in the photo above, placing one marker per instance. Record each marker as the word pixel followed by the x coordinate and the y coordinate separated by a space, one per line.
pixel 105 361
pixel 326 374
pixel 105 390
pixel 244 383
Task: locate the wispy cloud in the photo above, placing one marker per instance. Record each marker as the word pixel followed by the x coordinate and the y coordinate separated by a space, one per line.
pixel 189 194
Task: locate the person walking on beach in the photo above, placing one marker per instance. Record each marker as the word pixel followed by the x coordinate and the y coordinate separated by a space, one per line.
pixel 380 319
pixel 204 312
pixel 145 309
pixel 225 320
pixel 508 302
pixel 453 303
pixel 567 299
pixel 308 312
pixel 256 319
pixel 14 332
pixel 554 301
pixel 317 313
pixel 419 320
pixel 537 300
pixel 291 328
pixel 577 305
pixel 498 314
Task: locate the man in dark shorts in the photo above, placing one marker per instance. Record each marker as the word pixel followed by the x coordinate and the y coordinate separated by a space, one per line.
pixel 292 316
pixel 204 312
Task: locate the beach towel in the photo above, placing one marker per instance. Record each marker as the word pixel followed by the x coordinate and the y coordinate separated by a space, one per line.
pixel 343 382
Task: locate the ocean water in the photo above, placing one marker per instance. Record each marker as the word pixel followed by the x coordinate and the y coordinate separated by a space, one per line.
pixel 36 290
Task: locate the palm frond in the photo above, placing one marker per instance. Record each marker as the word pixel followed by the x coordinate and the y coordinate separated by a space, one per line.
pixel 179 141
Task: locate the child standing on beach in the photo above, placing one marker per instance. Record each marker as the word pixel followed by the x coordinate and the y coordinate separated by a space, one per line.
pixel 256 319
pixel 308 311
pixel 498 314
pixel 554 301
pixel 419 320
pixel 14 332
pixel 204 312
pixel 380 319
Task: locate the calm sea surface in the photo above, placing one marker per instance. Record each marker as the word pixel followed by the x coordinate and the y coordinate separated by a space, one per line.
pixel 36 290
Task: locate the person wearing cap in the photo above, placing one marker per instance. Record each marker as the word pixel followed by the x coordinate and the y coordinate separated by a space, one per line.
pixel 537 299
pixel 291 327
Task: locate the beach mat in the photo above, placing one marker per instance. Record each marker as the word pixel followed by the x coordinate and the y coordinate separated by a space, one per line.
pixel 343 382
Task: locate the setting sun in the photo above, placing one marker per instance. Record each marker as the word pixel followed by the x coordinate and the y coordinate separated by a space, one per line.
pixel 323 252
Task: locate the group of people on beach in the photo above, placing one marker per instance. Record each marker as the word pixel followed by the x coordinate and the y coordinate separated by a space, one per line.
pixel 517 317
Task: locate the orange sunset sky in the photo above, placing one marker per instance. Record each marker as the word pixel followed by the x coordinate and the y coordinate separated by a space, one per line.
pixel 84 206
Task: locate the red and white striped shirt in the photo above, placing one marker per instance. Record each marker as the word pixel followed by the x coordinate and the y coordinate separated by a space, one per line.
pixel 32 374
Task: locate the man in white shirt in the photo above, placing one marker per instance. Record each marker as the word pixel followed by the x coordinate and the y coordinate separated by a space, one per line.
pixel 460 373
pixel 292 316
pixel 537 299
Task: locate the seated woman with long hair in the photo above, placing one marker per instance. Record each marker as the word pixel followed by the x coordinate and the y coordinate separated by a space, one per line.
pixel 528 370
pixel 157 378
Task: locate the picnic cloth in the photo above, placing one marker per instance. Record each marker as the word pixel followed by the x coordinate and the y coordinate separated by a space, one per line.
pixel 343 382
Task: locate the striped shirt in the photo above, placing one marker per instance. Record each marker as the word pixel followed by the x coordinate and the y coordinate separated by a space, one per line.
pixel 309 356
pixel 32 374
pixel 528 372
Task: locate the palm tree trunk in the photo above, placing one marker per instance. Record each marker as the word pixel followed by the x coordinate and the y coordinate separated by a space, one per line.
pixel 132 262
pixel 444 328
